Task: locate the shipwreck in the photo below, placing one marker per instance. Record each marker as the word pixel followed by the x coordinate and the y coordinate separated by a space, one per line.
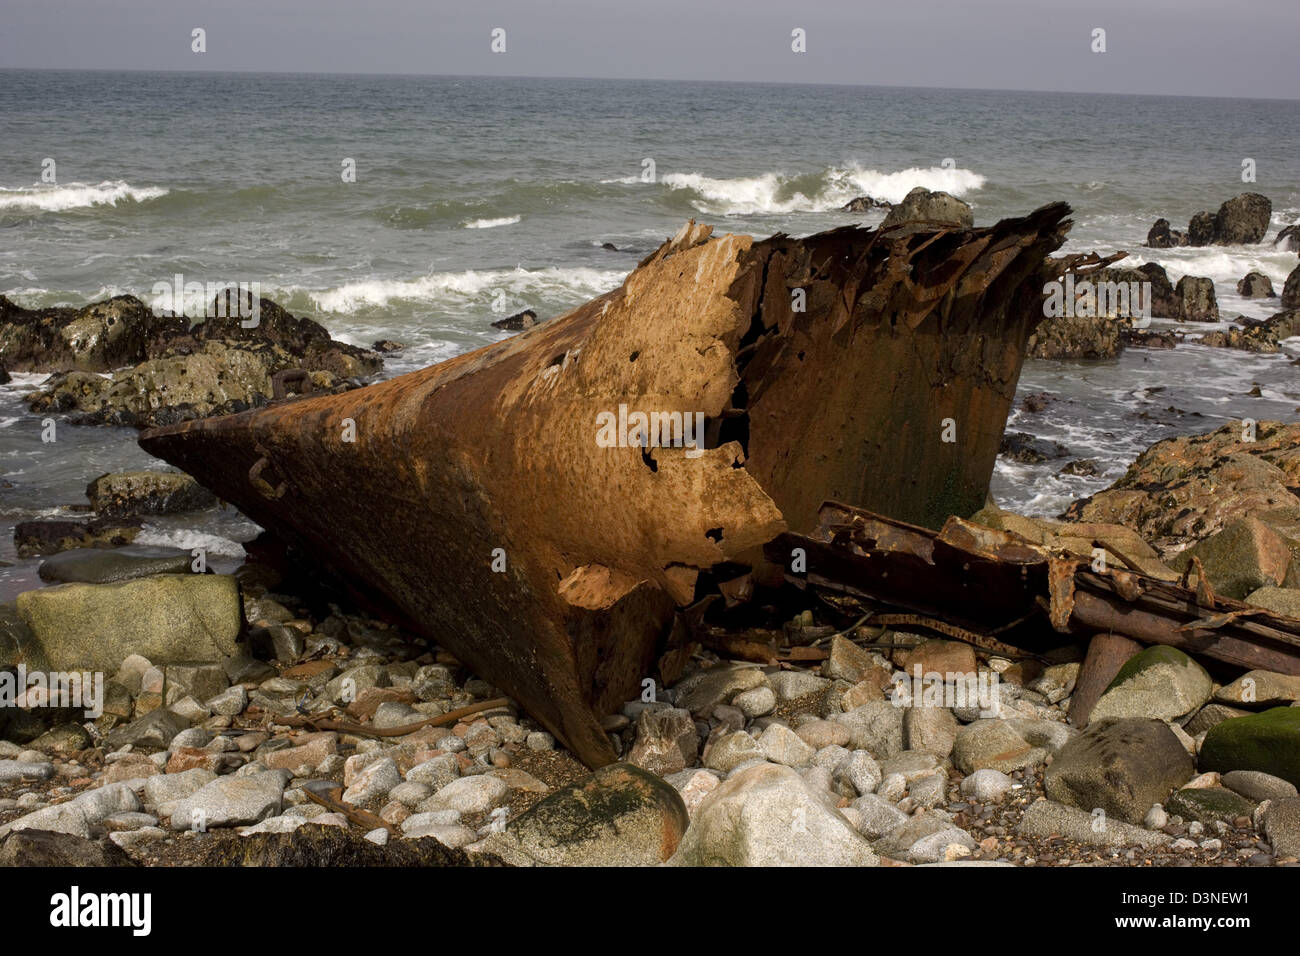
pixel 478 502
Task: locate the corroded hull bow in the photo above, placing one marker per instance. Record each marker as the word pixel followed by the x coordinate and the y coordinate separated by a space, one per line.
pixel 542 506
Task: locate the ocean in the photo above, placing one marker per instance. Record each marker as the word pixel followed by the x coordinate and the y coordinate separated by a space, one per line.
pixel 476 197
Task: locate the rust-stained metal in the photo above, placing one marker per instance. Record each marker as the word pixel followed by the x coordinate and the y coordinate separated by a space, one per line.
pixel 478 507
pixel 985 578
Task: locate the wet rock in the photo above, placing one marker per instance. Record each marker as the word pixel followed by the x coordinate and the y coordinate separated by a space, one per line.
pixel 387 345
pixel 96 338
pixel 519 322
pixel 1267 741
pixel 147 493
pixel 1119 766
pixel 922 205
pixel 105 566
pixel 1288 239
pixel 1161 236
pixel 1243 219
pixel 52 535
pixel 1291 290
pixel 1195 300
pixel 47 848
pixel 1255 285
pixel 865 204
pixel 168 618
pixel 1046 818
pixel 1160 682
pixel 1163 303
pixel 1021 447
pixel 767 816
pixel 1200 230
pixel 1075 337
pixel 618 816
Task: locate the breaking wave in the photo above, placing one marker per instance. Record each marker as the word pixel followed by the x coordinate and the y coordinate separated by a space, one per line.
pixel 774 192
pixel 459 289
pixel 76 195
pixel 491 223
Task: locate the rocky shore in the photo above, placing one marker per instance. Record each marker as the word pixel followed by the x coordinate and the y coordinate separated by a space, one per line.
pixel 260 718
pixel 243 723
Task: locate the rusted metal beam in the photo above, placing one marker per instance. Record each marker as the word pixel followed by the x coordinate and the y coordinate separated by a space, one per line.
pixel 985 578
pixel 478 502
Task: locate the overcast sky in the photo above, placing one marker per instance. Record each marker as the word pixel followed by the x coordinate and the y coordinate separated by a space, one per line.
pixel 1239 48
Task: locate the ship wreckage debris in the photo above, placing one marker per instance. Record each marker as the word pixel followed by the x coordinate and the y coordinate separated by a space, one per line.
pixel 510 505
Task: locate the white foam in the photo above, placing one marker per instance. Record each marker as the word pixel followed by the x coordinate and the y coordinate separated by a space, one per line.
pixel 76 195
pixel 188 539
pixel 457 288
pixel 491 223
pixel 771 192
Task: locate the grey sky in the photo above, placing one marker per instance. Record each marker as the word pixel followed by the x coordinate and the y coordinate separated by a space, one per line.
pixel 1240 48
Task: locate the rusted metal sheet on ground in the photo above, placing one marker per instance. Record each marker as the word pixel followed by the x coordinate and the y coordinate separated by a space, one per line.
pixel 821 367
pixel 986 580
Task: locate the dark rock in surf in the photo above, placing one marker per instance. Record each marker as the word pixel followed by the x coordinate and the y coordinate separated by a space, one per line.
pixel 1162 290
pixel 1021 447
pixel 1161 236
pixel 51 535
pixel 1255 285
pixel 1289 238
pixel 865 204
pixel 1195 300
pixel 1291 290
pixel 1200 231
pixel 388 345
pixel 1243 220
pixel 927 209
pixel 609 247
pixel 519 322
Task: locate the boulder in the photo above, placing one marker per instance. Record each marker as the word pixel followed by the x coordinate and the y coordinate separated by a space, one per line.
pixel 767 816
pixel 1288 239
pixel 1075 337
pixel 1243 219
pixel 1200 230
pixel 231 801
pixel 1189 487
pixel 1194 300
pixel 1209 804
pixel 48 848
pixel 1164 305
pixel 666 741
pixel 1255 285
pixel 1260 689
pixel 1284 601
pixel 1160 236
pixel 925 838
pixel 700 692
pixel 1291 290
pixel 1120 766
pixel 95 338
pixel 1243 557
pixel 105 566
pixel 1267 741
pixel 168 618
pixel 865 204
pixel 991 744
pixel 1161 683
pixel 52 535
pixel 931 208
pixel 1258 786
pixel 147 493
pixel 618 816
pixel 1282 827
pixel 1047 818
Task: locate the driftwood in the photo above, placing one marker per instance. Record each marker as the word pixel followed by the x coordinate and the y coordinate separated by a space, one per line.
pixel 981 579
pixel 474 501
